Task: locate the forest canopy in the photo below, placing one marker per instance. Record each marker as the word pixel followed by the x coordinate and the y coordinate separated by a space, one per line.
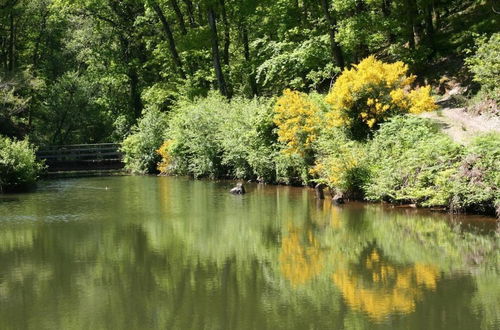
pixel 84 71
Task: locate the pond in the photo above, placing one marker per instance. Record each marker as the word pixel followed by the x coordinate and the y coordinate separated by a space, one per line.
pixel 172 253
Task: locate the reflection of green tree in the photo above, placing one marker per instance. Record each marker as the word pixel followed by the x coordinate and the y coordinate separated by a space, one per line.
pixel 487 298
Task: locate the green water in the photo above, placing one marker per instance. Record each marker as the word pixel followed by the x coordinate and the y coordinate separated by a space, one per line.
pixel 170 253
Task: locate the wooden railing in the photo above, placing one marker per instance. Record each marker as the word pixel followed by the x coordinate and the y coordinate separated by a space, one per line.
pixel 82 157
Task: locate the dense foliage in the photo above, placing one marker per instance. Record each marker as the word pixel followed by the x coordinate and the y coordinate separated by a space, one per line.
pixel 69 70
pixel 476 185
pixel 18 165
pixel 214 137
pixel 140 146
pixel 485 65
pixel 410 161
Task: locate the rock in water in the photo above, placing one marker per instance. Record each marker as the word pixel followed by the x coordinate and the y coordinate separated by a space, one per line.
pixel 238 190
pixel 338 198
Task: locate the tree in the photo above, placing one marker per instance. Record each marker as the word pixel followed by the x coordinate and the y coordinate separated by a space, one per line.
pixel 170 37
pixel 221 82
pixel 336 50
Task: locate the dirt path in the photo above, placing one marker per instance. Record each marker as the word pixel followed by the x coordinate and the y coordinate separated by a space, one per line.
pixel 461 126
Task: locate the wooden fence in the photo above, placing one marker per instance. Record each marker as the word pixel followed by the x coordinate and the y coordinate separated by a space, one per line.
pixel 82 157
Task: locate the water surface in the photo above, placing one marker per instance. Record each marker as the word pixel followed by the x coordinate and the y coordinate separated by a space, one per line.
pixel 171 253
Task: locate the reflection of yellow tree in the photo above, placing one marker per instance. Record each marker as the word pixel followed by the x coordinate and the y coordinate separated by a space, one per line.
pixel 387 289
pixel 335 221
pixel 300 257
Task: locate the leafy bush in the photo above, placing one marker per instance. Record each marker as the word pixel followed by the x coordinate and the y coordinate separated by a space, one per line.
pixel 140 146
pixel 195 147
pixel 341 162
pixel 217 138
pixel 411 161
pixel 372 92
pixel 18 165
pixel 476 184
pixel 248 139
pixel 292 169
pixel 485 65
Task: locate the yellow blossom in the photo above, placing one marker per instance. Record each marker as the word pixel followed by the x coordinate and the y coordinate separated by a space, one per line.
pixel 297 119
pixel 166 158
pixel 372 91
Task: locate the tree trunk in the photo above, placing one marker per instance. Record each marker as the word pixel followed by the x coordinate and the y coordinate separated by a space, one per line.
pixel 135 96
pixel 436 13
pixel 41 33
pixel 190 10
pixel 386 11
pixel 11 41
pixel 429 26
pixel 179 15
pixel 246 48
pixel 336 51
pixel 170 38
pixel 226 33
pixel 297 12
pixel 4 53
pixel 215 52
pixel 411 12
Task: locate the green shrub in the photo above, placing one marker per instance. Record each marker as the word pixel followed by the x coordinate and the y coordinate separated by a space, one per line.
pixel 485 65
pixel 341 162
pixel 18 165
pixel 477 182
pixel 411 161
pixel 214 137
pixel 291 169
pixel 248 140
pixel 140 146
pixel 195 147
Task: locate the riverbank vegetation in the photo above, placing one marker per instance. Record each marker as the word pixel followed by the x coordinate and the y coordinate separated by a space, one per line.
pixel 364 139
pixel 19 167
pixel 307 91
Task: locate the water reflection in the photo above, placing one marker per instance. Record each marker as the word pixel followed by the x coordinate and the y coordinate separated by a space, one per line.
pixel 300 257
pixel 179 254
pixel 379 288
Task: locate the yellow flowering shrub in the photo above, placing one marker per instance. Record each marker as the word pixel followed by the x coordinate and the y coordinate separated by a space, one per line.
pixel 371 92
pixel 297 119
pixel 166 158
